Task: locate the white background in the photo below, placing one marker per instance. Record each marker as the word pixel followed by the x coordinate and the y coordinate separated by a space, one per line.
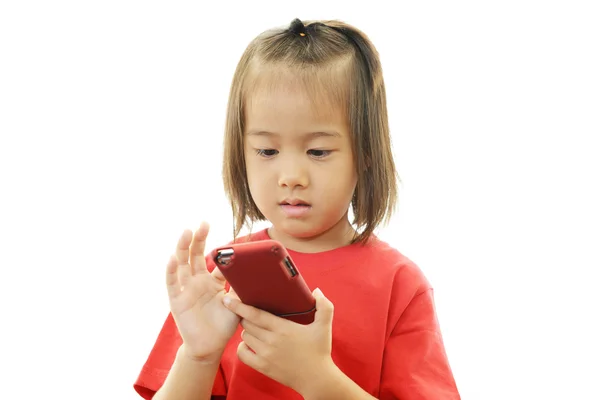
pixel 111 121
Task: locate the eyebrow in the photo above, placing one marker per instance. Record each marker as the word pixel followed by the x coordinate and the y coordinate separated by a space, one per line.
pixel 311 135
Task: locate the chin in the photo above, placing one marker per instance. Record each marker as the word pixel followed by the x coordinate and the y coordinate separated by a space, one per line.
pixel 299 229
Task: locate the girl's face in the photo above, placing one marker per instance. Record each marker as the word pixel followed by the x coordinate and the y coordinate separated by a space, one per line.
pixel 300 167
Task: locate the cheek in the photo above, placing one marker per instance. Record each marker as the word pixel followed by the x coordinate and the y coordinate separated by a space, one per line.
pixel 257 176
pixel 342 180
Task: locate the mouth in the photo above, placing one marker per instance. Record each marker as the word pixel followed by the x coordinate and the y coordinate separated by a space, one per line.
pixel 295 208
pixel 294 203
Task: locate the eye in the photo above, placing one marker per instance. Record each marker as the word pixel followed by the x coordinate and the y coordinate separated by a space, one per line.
pixel 267 153
pixel 319 153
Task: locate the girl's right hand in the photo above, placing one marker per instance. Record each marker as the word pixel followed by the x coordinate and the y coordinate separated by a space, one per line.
pixel 196 299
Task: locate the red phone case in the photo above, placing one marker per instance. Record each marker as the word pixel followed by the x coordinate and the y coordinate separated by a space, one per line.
pixel 263 275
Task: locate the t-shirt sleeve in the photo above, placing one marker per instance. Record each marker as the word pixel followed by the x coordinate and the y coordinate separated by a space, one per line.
pixel 161 358
pixel 415 365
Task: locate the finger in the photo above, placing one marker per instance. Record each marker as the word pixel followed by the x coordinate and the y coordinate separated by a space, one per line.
pixel 183 247
pixel 324 314
pixel 258 317
pixel 233 294
pixel 173 286
pixel 184 273
pixel 197 247
pixel 248 357
pixel 256 331
pixel 182 253
pixel 254 343
pixel 218 275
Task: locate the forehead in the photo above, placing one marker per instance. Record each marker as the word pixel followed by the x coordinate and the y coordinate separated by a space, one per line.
pixel 289 99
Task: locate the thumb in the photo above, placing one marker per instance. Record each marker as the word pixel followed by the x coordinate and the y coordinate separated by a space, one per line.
pixel 324 313
pixel 232 293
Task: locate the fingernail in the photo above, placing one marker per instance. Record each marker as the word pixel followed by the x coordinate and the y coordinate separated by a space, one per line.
pixel 226 301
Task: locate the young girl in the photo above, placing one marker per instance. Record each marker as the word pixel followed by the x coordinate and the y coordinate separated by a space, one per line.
pixel 306 139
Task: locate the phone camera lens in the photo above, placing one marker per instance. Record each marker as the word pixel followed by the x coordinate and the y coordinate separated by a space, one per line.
pixel 224 257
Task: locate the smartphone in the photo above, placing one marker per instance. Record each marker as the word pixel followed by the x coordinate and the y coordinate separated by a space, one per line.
pixel 264 276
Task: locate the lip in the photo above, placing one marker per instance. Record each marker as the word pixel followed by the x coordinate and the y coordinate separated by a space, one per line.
pixel 295 211
pixel 294 202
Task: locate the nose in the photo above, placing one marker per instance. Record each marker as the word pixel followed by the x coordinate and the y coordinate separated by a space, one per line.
pixel 293 173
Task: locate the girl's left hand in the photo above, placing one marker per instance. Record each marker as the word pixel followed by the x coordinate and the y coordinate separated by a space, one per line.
pixel 295 355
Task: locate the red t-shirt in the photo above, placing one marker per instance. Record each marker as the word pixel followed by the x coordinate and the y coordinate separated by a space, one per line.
pixel 386 336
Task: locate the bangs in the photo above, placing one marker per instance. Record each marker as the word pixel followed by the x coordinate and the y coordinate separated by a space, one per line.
pixel 327 86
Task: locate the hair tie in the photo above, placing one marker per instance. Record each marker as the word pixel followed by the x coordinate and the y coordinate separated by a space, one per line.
pixel 297 27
